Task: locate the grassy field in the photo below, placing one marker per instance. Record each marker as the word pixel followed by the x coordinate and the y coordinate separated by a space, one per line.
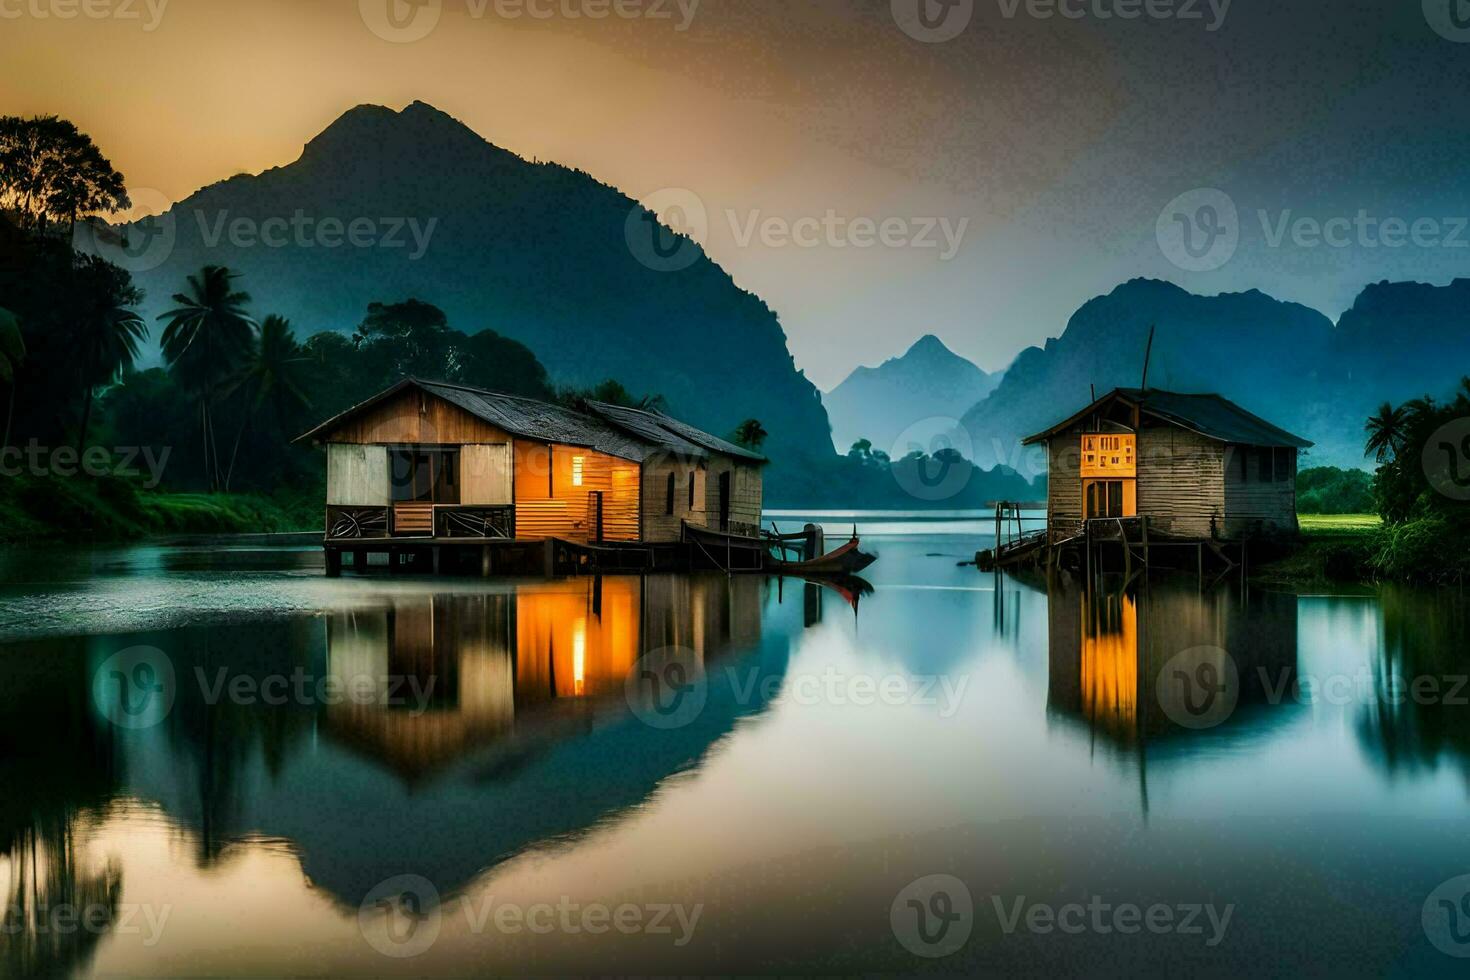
pixel 1339 525
pixel 112 509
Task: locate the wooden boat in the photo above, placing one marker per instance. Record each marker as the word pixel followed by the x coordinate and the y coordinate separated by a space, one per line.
pixel 846 560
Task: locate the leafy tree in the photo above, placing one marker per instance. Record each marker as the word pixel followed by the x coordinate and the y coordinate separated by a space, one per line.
pixel 1329 490
pixel 50 170
pixel 206 339
pixel 610 392
pixel 407 340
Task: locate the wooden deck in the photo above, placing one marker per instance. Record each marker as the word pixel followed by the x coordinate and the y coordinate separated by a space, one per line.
pixel 1129 545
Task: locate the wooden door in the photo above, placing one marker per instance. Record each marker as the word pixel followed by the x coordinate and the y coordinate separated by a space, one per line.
pixel 594 516
pixel 725 501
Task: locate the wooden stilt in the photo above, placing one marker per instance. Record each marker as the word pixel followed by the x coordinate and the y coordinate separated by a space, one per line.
pixel 485 564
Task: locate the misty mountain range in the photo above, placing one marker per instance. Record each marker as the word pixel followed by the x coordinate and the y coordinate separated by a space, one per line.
pixel 906 400
pixel 1283 361
pixel 385 206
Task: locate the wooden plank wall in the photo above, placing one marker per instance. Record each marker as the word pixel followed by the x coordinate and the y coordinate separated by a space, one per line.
pixel 1253 507
pixel 1181 481
pixel 745 491
pixel 558 508
pixel 658 524
pixel 1064 476
pixel 485 475
pixel 357 476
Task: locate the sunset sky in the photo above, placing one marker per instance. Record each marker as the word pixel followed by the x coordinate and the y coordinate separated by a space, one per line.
pixel 1054 143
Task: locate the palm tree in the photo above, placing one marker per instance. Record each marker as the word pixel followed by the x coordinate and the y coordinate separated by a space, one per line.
pixel 205 337
pixel 12 352
pixel 751 434
pixel 108 337
pixel 271 373
pixel 1387 430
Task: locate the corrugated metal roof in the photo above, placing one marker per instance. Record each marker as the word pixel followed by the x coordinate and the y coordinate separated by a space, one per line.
pixel 676 436
pixel 627 433
pixel 539 420
pixel 1208 414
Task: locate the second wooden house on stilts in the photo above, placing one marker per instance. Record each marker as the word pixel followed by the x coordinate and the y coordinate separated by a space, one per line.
pixel 1141 467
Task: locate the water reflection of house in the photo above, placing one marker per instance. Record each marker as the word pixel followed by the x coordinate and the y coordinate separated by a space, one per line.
pixel 450 674
pixel 1107 651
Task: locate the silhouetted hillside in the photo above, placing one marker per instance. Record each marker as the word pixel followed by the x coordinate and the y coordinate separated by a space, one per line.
pixel 536 251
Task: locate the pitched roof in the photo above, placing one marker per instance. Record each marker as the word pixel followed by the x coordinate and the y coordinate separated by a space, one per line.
pixel 676 436
pixel 1208 414
pixel 622 432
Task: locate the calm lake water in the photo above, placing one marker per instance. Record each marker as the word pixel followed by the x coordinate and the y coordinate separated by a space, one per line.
pixel 217 762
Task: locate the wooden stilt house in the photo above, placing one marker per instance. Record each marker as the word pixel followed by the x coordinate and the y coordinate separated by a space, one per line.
pixel 425 462
pixel 1194 466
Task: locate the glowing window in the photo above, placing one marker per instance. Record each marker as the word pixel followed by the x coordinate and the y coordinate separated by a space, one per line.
pixel 577 462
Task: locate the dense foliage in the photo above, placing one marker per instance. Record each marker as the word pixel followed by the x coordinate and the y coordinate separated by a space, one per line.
pixel 1330 490
pixel 1422 488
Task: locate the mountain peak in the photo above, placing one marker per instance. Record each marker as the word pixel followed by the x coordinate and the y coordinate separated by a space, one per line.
pixel 418 128
pixel 929 346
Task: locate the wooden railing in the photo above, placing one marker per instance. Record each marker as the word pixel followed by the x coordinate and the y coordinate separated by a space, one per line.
pixel 424 520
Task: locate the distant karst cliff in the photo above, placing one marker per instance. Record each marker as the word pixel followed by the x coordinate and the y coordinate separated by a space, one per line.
pixel 1284 361
pixel 915 396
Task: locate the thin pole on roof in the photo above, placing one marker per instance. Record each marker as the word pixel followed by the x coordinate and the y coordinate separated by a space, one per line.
pixel 1148 355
